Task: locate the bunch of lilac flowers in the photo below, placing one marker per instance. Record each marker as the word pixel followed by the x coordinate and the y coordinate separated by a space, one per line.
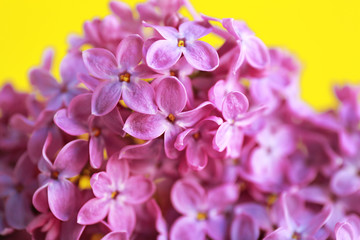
pixel 153 133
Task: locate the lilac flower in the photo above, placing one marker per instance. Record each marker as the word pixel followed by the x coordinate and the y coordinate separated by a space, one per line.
pixel 121 75
pixel 77 120
pixel 348 229
pixel 251 48
pixel 234 111
pixel 39 125
pixel 202 210
pixel 198 142
pixel 61 193
pixel 297 222
pixel 115 193
pixel 17 190
pixel 171 100
pixel 163 54
pixel 59 94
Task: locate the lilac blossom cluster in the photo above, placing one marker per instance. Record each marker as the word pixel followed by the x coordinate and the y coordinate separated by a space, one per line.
pixel 152 133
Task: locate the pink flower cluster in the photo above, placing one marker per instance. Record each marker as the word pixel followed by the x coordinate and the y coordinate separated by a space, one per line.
pixel 153 133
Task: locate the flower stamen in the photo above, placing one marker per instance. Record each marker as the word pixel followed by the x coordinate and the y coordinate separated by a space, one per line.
pixel 201 216
pixel 196 136
pixel 95 131
pixel 114 194
pixel 125 77
pixel 55 175
pixel 171 117
pixel 181 43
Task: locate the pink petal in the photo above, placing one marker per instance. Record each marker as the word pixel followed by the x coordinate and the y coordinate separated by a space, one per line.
pixel 42 80
pixel 317 221
pixel 55 103
pixel 201 56
pixel 138 189
pixel 40 199
pixel 257 53
pixel 238 29
pixel 223 196
pixel 145 126
pixel 101 184
pixel 71 65
pixel 193 30
pixel 344 231
pixel 139 96
pixel 90 82
pixel 114 121
pixel 216 227
pixel 80 107
pixel 187 228
pixel 96 150
pixel 93 211
pixel 122 10
pixel 106 97
pixel 163 54
pixel 129 52
pixel 196 156
pixel 118 170
pixel 122 217
pixel 190 118
pixel 345 181
pixel 240 58
pixel 116 236
pixel 222 137
pixel 62 196
pixel 17 211
pixel 169 140
pixel 234 105
pixel 72 158
pixel 187 197
pixel 279 234
pixel 184 139
pixel 68 125
pixel 171 96
pixel 243 227
pixel 36 143
pixel 47 59
pixel 101 63
pixel 168 33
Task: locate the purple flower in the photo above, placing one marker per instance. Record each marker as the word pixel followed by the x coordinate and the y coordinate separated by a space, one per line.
pixel 121 77
pixel 230 134
pixel 163 54
pixel 297 222
pixel 202 210
pixel 250 48
pixel 59 94
pixel 348 229
pixel 61 193
pixel 115 193
pixel 198 142
pixel 77 120
pixel 17 190
pixel 171 100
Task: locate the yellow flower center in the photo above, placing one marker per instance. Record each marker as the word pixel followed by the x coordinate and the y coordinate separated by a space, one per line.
pixel 114 194
pixel 271 199
pixel 125 77
pixel 54 175
pixel 95 131
pixel 201 216
pixel 196 136
pixel 296 236
pixel 171 117
pixel 181 43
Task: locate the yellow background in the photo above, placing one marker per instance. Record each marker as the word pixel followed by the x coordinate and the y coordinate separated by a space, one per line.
pixel 324 35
